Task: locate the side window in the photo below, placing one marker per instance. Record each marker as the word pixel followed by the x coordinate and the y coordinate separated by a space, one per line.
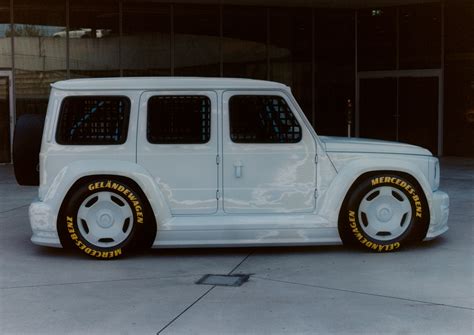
pixel 262 119
pixel 179 119
pixel 93 120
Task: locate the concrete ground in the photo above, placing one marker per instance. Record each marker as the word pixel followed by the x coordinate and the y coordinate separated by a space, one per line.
pixel 426 289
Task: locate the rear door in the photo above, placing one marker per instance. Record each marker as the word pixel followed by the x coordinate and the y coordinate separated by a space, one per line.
pixel 268 155
pixel 177 144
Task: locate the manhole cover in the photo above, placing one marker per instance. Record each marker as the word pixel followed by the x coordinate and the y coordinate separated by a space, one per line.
pixel 223 280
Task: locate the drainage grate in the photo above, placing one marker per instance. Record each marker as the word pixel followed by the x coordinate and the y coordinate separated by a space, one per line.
pixel 223 280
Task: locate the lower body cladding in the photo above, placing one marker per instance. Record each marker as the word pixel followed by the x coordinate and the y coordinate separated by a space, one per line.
pixel 236 230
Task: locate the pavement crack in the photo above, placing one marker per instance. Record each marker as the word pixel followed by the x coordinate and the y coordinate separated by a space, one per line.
pixel 95 282
pixel 202 296
pixel 185 310
pixel 241 262
pixel 364 293
pixel 13 209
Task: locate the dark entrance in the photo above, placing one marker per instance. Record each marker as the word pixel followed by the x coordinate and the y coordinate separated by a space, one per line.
pixel 406 111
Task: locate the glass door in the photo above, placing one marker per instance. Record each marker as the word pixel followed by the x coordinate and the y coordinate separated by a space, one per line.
pixel 5 120
pixel 418 110
pixel 402 105
pixel 378 108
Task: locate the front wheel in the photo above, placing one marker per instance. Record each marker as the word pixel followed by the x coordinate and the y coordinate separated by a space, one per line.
pixel 384 212
pixel 103 218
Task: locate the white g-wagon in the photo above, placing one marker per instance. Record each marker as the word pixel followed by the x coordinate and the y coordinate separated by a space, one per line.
pixel 130 163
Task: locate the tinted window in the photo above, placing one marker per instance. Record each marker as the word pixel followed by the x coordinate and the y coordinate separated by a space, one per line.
pixel 93 120
pixel 262 119
pixel 179 119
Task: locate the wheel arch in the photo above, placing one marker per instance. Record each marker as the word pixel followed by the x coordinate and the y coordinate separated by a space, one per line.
pixel 347 178
pixel 81 171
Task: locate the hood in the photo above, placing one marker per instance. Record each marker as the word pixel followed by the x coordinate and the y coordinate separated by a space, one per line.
pixel 364 145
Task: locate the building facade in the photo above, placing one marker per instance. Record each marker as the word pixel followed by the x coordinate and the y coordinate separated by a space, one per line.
pixel 407 67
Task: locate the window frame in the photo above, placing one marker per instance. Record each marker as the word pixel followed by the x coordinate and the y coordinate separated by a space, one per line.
pixel 178 94
pixel 125 126
pixel 269 93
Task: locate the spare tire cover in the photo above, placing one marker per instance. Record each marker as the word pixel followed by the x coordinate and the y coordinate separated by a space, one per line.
pixel 26 148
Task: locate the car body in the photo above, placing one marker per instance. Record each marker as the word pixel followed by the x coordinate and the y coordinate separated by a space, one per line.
pixel 224 190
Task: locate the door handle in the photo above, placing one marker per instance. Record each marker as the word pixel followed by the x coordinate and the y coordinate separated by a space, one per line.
pixel 238 169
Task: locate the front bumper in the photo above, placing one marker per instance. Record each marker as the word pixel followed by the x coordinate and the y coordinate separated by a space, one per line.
pixel 43 224
pixel 439 215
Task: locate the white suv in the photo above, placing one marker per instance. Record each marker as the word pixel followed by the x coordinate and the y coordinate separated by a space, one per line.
pixel 187 162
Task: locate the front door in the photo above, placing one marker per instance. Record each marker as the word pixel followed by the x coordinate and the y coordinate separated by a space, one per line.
pixel 177 144
pixel 5 120
pixel 268 155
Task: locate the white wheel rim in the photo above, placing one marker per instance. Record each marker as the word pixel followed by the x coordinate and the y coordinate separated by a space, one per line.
pixel 385 213
pixel 105 219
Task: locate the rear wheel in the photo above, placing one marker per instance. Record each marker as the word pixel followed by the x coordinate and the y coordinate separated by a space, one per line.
pixel 103 218
pixel 384 212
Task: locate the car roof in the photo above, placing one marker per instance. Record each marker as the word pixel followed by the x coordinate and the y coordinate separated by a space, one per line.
pixel 166 83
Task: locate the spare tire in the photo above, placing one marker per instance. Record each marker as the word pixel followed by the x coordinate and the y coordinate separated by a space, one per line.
pixel 26 148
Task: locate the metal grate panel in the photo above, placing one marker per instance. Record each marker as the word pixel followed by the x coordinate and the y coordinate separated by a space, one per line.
pixel 262 119
pixel 89 120
pixel 179 119
pixel 223 280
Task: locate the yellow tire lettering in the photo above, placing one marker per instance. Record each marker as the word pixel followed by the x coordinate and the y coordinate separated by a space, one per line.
pixel 128 193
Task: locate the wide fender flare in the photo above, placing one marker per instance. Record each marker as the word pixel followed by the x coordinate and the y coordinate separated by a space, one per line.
pixel 71 173
pixel 329 205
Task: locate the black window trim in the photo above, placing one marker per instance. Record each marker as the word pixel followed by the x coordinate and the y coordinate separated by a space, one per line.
pixel 269 92
pixel 77 97
pixel 179 93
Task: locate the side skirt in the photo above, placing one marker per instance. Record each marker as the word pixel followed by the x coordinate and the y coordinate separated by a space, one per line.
pixel 246 237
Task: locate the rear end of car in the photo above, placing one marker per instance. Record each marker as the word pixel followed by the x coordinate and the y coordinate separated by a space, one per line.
pixel 67 145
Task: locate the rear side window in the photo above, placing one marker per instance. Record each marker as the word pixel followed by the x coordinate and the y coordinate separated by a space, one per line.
pixel 262 119
pixel 179 119
pixel 93 120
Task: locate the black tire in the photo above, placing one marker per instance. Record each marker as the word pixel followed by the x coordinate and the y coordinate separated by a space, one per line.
pixel 98 205
pixel 384 212
pixel 26 148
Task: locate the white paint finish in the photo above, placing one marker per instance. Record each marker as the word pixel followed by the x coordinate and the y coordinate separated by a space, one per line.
pixel 54 157
pixel 43 225
pixel 270 177
pixel 364 145
pixel 78 169
pixel 165 83
pixel 279 179
pixel 247 238
pixel 186 174
pixel 439 217
pixel 351 166
pixel 246 222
